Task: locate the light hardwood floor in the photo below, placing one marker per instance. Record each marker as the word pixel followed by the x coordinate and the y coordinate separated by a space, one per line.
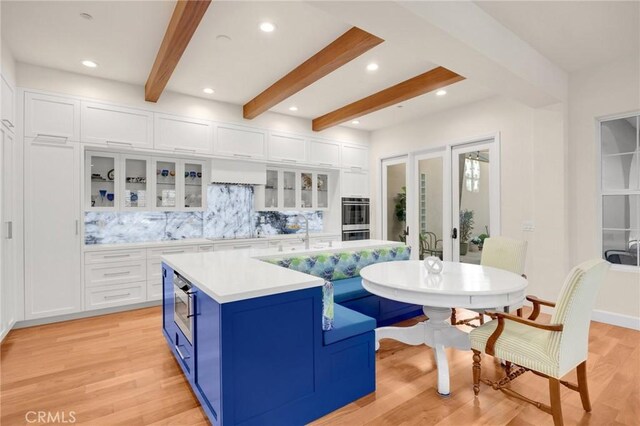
pixel 117 369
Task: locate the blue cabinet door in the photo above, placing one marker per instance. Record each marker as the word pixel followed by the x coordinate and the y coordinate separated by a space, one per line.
pixel 207 378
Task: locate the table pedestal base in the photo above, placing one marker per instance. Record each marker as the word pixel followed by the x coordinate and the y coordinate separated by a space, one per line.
pixel 435 332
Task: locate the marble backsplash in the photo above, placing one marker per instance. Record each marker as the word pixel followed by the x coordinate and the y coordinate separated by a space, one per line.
pixel 229 214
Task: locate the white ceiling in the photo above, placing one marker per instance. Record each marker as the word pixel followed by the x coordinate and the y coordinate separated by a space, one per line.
pixel 124 36
pixel 573 34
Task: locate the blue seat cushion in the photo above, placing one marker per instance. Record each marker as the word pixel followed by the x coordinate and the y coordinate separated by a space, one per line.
pixel 348 289
pixel 347 323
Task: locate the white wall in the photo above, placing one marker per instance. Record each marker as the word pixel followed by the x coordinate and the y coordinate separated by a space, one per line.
pixel 533 145
pixel 8 63
pixel 602 91
pixel 35 77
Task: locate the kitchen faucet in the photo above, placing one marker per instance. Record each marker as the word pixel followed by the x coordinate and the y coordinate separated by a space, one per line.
pixel 306 236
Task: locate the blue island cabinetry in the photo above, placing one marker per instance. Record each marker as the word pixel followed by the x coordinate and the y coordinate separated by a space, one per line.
pixel 266 360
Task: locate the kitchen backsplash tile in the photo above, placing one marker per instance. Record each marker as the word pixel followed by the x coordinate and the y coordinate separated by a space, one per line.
pixel 229 214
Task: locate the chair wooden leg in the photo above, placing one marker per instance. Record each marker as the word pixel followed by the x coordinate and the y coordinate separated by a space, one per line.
pixel 476 372
pixel 556 408
pixel 519 312
pixel 507 367
pixel 481 318
pixel 582 385
pixel 454 320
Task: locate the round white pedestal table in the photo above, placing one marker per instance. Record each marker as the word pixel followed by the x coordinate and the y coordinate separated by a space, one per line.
pixel 460 285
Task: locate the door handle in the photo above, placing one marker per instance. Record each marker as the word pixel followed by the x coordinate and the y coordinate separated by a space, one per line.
pixel 454 233
pixel 10 230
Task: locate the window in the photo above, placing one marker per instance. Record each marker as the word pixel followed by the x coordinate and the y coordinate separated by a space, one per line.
pixel 472 175
pixel 620 190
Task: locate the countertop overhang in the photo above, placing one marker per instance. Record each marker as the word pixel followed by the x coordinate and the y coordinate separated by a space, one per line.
pixel 233 275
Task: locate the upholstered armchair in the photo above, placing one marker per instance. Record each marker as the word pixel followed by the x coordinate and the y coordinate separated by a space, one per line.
pixel 548 350
pixel 502 253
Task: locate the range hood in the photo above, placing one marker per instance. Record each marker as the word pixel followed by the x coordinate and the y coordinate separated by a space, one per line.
pixel 238 172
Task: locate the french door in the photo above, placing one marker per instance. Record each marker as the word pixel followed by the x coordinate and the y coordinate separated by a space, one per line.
pixel 441 200
pixel 475 198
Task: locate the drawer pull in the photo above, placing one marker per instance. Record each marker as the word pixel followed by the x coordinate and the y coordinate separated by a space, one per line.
pixel 117 296
pixel 8 123
pixel 113 256
pixel 61 139
pixel 288 160
pixel 184 150
pixel 242 155
pixel 119 143
pixel 172 251
pixel 116 274
pixel 180 354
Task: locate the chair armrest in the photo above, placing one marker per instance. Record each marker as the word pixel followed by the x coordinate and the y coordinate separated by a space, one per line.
pixel 537 302
pixel 501 316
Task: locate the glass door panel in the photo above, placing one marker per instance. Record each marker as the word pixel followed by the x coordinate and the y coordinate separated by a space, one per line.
pixel 322 186
pixel 474 199
pixel 271 190
pixel 306 187
pixel 193 185
pixel 166 184
pixel 135 183
pixel 430 206
pixel 102 181
pixel 289 189
pixel 394 200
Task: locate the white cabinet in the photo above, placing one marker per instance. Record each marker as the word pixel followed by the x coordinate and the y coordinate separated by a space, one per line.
pixel 355 157
pixel 7 93
pixel 240 142
pixel 287 148
pixel 324 153
pixel 9 279
pixel 116 126
pixel 51 117
pixel 296 189
pixel 52 228
pixel 354 183
pixel 102 181
pixel 178 184
pixel 182 134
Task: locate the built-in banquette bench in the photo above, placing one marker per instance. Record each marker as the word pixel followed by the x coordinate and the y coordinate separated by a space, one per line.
pixel 342 269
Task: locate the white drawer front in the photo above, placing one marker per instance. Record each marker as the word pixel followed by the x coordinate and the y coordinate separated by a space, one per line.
pixel 154 290
pixel 109 296
pixel 114 273
pixel 154 269
pixel 159 252
pixel 114 256
pixel 239 245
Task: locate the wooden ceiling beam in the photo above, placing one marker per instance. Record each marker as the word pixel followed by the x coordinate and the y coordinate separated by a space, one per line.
pixel 183 24
pixel 432 80
pixel 345 48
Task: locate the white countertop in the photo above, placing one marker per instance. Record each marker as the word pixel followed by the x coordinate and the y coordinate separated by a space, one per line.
pixel 196 241
pixel 233 275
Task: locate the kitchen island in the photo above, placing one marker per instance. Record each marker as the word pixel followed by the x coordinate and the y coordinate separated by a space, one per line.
pixel 248 334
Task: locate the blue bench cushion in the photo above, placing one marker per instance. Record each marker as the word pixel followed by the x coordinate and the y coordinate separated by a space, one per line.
pixel 347 323
pixel 348 289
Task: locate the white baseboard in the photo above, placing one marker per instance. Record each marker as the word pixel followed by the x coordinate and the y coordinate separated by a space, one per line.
pixel 6 331
pixel 85 314
pixel 621 320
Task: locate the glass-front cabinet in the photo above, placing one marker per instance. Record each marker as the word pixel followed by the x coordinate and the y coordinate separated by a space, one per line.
pixel 296 190
pixel 193 185
pixel 102 181
pixel 129 182
pixel 166 184
pixel 136 176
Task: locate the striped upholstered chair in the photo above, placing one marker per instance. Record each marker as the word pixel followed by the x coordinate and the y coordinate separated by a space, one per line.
pixel 548 350
pixel 502 253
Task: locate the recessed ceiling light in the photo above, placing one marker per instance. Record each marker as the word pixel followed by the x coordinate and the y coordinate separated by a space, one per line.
pixel 441 92
pixel 89 64
pixel 293 108
pixel 355 122
pixel 267 27
pixel 86 16
pixel 208 90
pixel 372 66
